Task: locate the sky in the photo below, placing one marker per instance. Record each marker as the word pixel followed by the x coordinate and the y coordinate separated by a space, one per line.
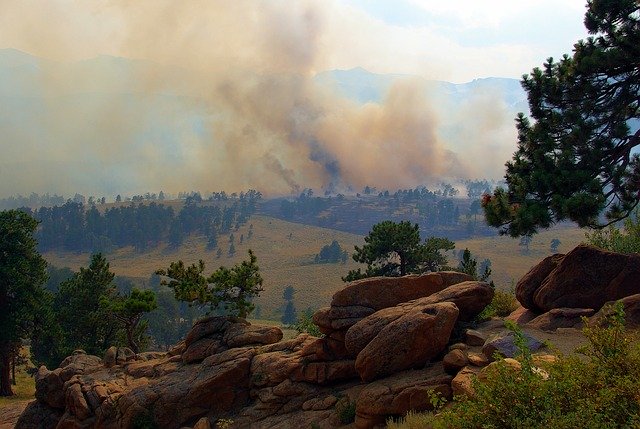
pixel 225 97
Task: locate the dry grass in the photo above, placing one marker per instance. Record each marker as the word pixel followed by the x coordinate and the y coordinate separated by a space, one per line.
pixel 285 251
pixel 25 389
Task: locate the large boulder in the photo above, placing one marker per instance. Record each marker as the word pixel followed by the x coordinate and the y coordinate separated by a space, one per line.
pixel 586 277
pixel 408 342
pixel 399 394
pixel 504 344
pixel 470 297
pixel 560 318
pixel 530 282
pixel 382 292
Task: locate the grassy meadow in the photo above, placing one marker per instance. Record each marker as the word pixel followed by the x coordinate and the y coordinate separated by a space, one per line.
pixel 285 252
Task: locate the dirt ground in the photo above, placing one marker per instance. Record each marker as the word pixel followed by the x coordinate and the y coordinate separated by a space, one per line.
pixel 9 413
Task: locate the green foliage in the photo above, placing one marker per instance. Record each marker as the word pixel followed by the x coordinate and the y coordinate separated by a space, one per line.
pixel 576 159
pixel 128 310
pixel 231 288
pixel 616 240
pixel 289 316
pixel 331 254
pixel 144 420
pixel 86 323
pixel 346 411
pixel 469 265
pixel 502 305
pixel 597 391
pixel 394 249
pixel 305 325
pixel 22 274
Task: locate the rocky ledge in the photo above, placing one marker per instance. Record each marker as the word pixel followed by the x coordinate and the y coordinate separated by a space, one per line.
pixel 387 343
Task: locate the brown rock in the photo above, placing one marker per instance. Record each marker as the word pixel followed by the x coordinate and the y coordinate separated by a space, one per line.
pixel 178 349
pixel 399 394
pixel 471 297
pixel 531 282
pixel 478 359
pixel 322 320
pixel 560 318
pixel 361 334
pixel 110 357
pixel 631 306
pixel 201 349
pixel 76 403
pixel 326 372
pixel 206 327
pixel 79 363
pixel 124 355
pixel 382 292
pixel 474 338
pixel 409 342
pixel 454 361
pixel 203 423
pixel 39 415
pixel 49 387
pixel 241 334
pixel 522 315
pixel 462 383
pixel 459 346
pixel 588 277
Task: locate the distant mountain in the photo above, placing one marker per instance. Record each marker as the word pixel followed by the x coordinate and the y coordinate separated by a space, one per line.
pixel 363 86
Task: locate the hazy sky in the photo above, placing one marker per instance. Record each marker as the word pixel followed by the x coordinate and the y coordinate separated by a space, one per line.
pixel 454 40
pixel 226 98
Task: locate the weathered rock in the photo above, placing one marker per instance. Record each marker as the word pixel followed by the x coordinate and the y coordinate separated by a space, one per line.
pixel 470 296
pixel 522 315
pixel 459 346
pixel 560 318
pixel 241 334
pixel 478 359
pixel 144 356
pixel 454 361
pixel 79 363
pixel 509 363
pixel 124 355
pixel 382 292
pixel 110 357
pixel 203 423
pixel 474 338
pixel 462 383
pixel 408 342
pixel 504 344
pixel 400 393
pixel 201 349
pixel 587 277
pixel 206 327
pixel 326 372
pixel 531 282
pixel 49 387
pixel 39 415
pixel 76 403
pixel 631 307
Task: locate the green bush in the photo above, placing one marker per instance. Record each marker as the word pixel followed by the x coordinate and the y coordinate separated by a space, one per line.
pixel 502 304
pixel 144 420
pixel 305 325
pixel 599 390
pixel 346 411
pixel 612 238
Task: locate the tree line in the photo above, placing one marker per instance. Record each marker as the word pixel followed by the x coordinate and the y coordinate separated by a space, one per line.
pixel 75 227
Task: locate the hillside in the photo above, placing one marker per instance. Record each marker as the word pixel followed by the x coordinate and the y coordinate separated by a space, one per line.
pixel 285 252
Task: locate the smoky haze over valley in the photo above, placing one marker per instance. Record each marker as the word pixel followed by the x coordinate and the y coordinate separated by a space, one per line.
pixel 207 97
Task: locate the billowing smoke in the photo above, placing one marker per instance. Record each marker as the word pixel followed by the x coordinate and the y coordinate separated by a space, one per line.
pixel 220 95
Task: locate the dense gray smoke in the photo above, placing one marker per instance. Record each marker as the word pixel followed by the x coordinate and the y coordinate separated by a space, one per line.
pixel 215 95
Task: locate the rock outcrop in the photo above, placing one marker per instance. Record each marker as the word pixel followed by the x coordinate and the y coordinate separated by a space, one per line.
pixel 229 369
pixel 586 277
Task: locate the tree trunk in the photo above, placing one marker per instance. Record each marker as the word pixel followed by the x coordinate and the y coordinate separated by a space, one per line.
pixel 5 374
pixel 131 340
pixel 13 370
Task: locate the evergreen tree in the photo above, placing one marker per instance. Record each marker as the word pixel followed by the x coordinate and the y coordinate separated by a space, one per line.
pixel 232 288
pixel 290 315
pixel 128 310
pixel 577 159
pixel 22 274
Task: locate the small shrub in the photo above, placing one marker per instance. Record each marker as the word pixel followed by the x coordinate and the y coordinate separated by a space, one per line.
pixel 144 420
pixel 502 304
pixel 305 325
pixel 346 411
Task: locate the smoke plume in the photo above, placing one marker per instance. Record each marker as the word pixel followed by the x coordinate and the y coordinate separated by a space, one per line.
pixel 213 95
